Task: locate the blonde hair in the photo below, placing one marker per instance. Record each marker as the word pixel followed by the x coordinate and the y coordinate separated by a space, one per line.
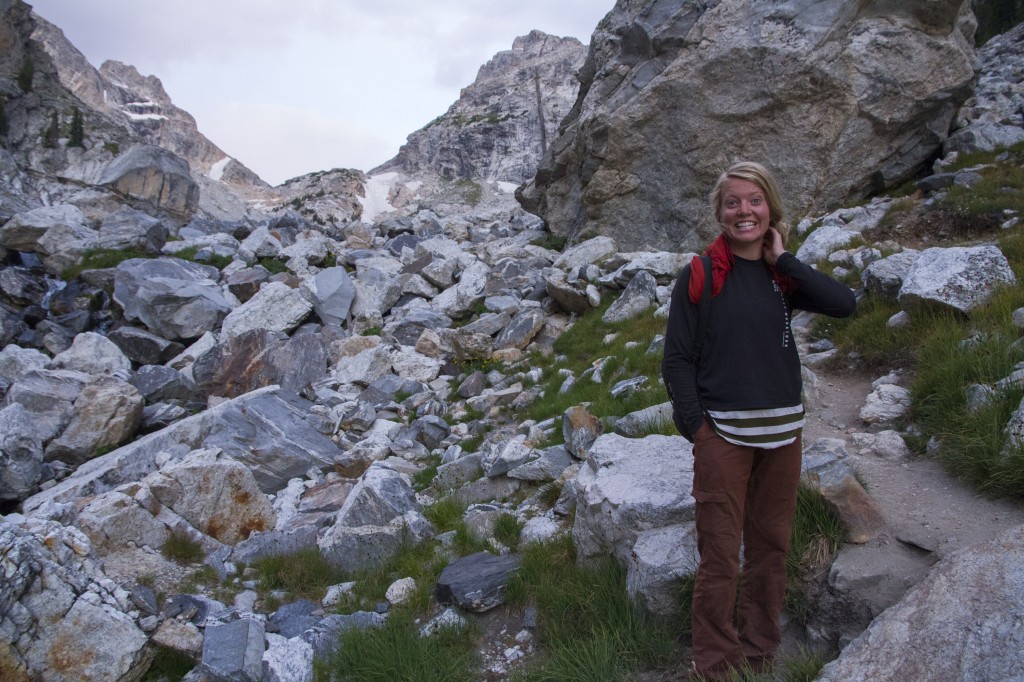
pixel 760 176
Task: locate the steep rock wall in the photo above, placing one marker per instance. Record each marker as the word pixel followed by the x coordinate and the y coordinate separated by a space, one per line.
pixel 840 99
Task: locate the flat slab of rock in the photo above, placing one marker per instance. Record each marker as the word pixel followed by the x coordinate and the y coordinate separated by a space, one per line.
pixel 476 582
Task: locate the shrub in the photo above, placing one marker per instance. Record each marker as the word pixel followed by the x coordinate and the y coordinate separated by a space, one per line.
pixel 26 74
pixel 76 136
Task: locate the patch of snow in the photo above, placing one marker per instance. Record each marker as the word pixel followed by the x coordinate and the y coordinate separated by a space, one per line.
pixel 376 200
pixel 217 169
pixel 507 187
pixel 414 185
pixel 145 117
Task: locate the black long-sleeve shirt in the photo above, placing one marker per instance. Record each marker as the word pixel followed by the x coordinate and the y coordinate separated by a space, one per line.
pixel 750 359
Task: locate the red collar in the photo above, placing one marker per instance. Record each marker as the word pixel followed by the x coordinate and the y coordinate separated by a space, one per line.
pixel 721 263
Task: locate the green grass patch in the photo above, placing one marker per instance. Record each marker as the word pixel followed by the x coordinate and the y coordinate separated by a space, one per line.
pixel 274 266
pixel 507 530
pixel 804 667
pixel 551 241
pixel 99 259
pixel 588 629
pixel 189 253
pixel 817 534
pixel 181 548
pixel 396 652
pixel 865 337
pixel 419 562
pixel 581 345
pixel 973 443
pixel 422 479
pixel 979 208
pixel 446 514
pixel 304 574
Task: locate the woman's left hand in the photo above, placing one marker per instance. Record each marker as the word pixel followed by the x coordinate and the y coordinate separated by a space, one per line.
pixel 772 247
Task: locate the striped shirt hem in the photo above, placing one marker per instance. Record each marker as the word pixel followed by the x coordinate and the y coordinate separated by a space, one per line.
pixel 766 429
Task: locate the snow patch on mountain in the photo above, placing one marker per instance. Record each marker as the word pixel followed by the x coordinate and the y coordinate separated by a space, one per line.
pixel 217 169
pixel 376 201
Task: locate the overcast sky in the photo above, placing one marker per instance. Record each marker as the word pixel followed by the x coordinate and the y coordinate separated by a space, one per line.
pixel 294 86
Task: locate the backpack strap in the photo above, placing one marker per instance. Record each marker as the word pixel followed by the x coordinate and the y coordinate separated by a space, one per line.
pixel 704 309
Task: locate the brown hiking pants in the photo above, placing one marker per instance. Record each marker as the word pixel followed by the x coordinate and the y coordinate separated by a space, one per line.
pixel 743 494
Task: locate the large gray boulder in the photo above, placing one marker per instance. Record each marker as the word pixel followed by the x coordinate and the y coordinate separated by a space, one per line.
pixel 841 99
pixel 265 429
pixel 627 486
pixel 216 495
pixel 885 277
pixel 958 278
pixel 961 623
pixel 156 176
pixel 175 299
pixel 21 454
pixel 276 306
pixel 379 514
pixel 49 396
pixel 59 234
pixel 131 229
pixel 331 292
pixel 105 414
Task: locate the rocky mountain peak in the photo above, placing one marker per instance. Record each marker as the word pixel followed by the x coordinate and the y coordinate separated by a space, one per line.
pixel 502 123
pixel 140 103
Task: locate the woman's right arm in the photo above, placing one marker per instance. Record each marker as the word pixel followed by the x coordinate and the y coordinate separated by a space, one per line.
pixel 677 368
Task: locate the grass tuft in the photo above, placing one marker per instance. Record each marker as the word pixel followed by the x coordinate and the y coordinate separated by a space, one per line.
pixel 396 651
pixel 507 530
pixel 99 259
pixel 304 574
pixel 589 629
pixel 181 548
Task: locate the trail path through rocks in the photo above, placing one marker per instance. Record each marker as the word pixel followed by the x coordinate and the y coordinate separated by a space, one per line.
pixel 929 514
pixel 923 504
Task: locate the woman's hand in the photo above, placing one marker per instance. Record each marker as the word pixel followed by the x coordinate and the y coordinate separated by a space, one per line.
pixel 772 246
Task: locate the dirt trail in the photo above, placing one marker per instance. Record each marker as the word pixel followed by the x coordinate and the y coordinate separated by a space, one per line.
pixel 922 503
pixel 928 513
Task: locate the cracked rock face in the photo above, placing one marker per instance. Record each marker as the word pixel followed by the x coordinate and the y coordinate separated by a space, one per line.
pixel 62 619
pixel 839 101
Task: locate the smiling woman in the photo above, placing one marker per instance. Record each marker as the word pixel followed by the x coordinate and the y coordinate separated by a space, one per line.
pixel 732 370
pixel 294 88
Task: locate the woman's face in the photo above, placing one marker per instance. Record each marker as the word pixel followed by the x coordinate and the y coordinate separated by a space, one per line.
pixel 743 214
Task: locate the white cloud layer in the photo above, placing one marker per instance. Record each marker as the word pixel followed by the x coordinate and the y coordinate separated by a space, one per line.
pixel 294 87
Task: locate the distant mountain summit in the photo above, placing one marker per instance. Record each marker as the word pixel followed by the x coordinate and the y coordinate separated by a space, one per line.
pixel 503 122
pixel 141 103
